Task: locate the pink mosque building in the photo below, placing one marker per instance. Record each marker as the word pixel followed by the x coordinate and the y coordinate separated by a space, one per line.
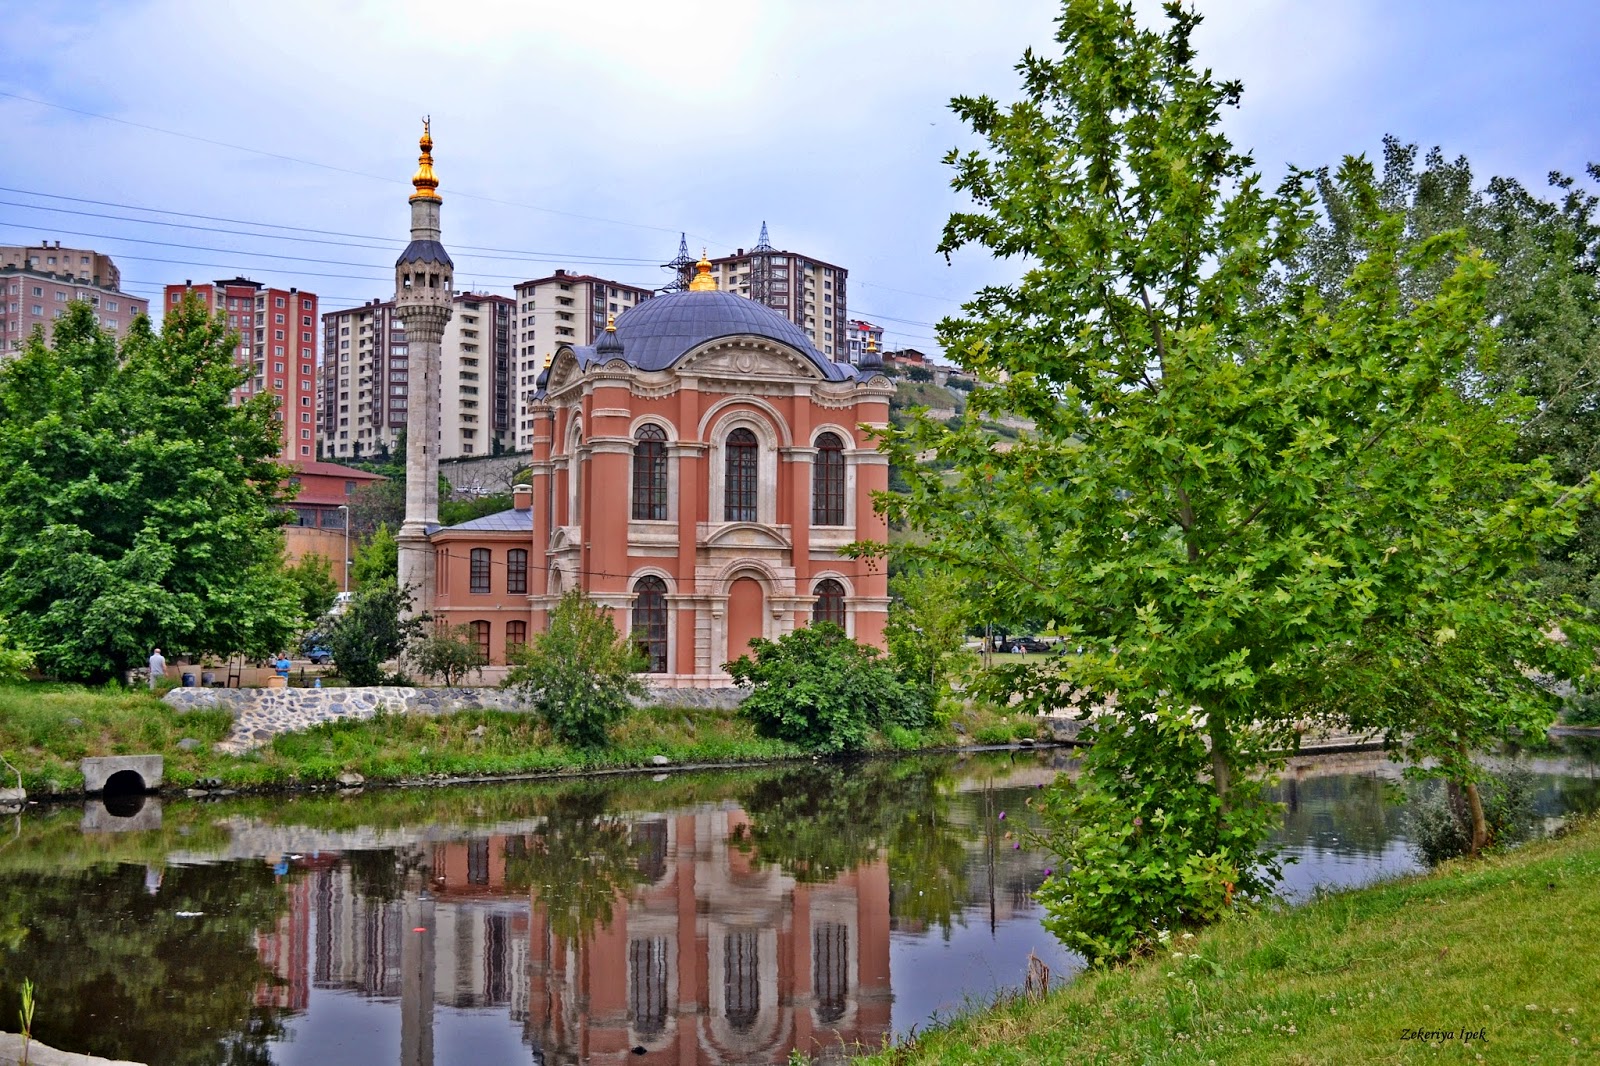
pixel 698 470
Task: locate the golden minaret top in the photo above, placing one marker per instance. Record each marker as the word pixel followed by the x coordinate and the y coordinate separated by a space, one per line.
pixel 611 323
pixel 702 280
pixel 423 179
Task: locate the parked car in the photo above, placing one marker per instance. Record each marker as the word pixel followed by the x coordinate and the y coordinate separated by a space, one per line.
pixel 319 655
pixel 1029 644
pixel 341 602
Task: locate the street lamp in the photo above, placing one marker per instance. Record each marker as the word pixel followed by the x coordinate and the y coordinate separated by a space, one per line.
pixel 346 509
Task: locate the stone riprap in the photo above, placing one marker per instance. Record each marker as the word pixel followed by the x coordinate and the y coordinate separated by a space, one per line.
pixel 259 714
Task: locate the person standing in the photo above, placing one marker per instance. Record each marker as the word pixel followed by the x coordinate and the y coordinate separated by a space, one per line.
pixel 158 668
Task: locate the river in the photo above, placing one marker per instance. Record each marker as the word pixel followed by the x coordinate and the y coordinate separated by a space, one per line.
pixel 716 917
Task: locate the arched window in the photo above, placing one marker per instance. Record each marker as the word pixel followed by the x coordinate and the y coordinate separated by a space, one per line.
pixel 830 602
pixel 480 633
pixel 517 570
pixel 516 638
pixel 480 571
pixel 650 474
pixel 650 622
pixel 739 484
pixel 827 482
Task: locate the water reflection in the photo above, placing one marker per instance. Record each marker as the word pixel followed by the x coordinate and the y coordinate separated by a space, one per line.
pixel 698 919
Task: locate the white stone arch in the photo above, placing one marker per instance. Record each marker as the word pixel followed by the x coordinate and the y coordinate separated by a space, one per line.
pixel 672 612
pixel 714 412
pixel 574 461
pixel 852 450
pixel 809 591
pixel 669 427
pixel 771 433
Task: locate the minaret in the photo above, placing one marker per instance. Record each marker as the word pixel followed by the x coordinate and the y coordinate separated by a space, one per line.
pixel 422 279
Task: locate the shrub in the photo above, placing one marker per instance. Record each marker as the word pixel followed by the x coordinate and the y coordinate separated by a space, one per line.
pixel 578 675
pixel 1440 825
pixel 1142 842
pixel 818 688
pixel 449 653
pixel 372 632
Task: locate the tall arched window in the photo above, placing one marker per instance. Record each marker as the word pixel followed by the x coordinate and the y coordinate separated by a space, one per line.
pixel 830 602
pixel 480 634
pixel 650 474
pixel 516 638
pixel 827 482
pixel 650 622
pixel 739 484
pixel 479 577
pixel 517 570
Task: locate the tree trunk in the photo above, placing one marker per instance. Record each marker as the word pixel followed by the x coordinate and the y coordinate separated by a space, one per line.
pixel 1221 753
pixel 1480 825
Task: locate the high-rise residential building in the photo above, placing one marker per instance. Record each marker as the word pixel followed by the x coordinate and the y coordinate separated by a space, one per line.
pixel 365 379
pixel 807 291
pixel 277 344
pixel 564 308
pixel 475 393
pixel 857 334
pixel 37 282
pixel 364 388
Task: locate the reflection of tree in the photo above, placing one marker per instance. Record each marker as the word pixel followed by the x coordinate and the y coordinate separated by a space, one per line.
pixel 120 974
pixel 821 821
pixel 578 863
pixel 1363 811
pixel 380 876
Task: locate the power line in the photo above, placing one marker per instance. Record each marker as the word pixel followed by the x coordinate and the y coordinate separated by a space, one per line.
pixel 325 166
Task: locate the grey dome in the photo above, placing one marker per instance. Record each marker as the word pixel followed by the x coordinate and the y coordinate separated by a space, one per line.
pixel 658 332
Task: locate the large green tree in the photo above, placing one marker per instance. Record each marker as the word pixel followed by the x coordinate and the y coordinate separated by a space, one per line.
pixel 1544 300
pixel 138 502
pixel 1228 479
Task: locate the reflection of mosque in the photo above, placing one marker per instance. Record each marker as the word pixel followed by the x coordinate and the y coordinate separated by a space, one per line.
pixel 716 957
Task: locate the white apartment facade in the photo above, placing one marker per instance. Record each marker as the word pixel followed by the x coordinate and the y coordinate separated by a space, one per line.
pixel 564 308
pixel 807 291
pixel 475 376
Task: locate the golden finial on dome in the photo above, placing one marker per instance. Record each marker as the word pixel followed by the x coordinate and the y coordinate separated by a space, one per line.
pixel 702 280
pixel 549 357
pixel 872 343
pixel 423 179
pixel 611 323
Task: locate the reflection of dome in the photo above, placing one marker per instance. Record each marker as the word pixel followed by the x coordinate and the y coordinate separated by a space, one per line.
pixel 658 332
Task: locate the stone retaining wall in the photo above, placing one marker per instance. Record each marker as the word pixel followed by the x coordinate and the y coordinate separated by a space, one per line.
pixel 323 703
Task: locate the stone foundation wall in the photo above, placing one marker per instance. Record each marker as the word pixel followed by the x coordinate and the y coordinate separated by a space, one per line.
pixel 324 703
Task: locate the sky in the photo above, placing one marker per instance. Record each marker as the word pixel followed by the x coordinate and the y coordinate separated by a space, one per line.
pixel 590 136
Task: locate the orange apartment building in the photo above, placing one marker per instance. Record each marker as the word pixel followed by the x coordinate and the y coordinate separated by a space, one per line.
pixel 698 469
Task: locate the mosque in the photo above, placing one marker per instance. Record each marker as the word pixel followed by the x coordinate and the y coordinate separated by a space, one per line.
pixel 697 470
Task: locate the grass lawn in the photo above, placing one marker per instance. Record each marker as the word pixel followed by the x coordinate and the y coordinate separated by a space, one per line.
pixel 1504 949
pixel 45 729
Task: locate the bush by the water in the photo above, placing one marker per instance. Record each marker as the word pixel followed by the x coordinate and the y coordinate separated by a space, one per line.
pixel 1440 824
pixel 818 688
pixel 578 675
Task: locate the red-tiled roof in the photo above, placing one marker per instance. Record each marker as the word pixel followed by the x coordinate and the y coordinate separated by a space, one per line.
pixel 335 470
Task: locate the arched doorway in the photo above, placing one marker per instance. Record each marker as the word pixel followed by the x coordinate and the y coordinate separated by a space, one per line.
pixel 746 600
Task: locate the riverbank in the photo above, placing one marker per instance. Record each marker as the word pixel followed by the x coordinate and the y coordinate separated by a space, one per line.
pixel 1487 961
pixel 46 729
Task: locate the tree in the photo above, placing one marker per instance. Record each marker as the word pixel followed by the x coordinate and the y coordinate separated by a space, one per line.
pixel 139 505
pixel 377 562
pixel 449 653
pixel 1544 300
pixel 372 631
pixel 926 630
pixel 818 688
pixel 1228 478
pixel 379 503
pixel 579 674
pixel 313 577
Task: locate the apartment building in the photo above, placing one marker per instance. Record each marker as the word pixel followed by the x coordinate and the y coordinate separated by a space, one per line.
pixel 807 291
pixel 857 334
pixel 475 390
pixel 38 281
pixel 564 308
pixel 277 342
pixel 363 386
pixel 365 383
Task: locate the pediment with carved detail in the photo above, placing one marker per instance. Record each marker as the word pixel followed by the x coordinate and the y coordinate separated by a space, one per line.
pixel 745 361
